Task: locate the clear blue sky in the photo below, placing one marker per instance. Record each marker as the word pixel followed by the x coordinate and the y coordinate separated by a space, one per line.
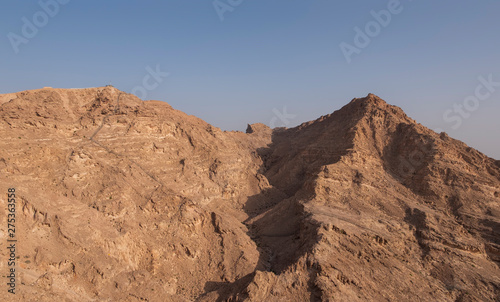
pixel 267 55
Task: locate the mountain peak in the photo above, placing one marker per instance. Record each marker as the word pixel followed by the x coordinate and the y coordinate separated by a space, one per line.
pixel 373 105
pixel 366 201
pixel 371 100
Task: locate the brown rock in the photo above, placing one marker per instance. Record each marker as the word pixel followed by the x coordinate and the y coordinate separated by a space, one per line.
pixel 124 200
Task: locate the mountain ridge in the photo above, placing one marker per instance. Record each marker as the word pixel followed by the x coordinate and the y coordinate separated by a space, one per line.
pixel 134 200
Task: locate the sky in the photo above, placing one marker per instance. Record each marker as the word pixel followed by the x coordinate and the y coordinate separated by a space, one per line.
pixel 277 62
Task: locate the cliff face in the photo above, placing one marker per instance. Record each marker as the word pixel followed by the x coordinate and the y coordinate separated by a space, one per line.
pixel 125 200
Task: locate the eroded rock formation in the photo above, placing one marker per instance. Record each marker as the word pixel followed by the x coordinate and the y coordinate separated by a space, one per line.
pixel 127 200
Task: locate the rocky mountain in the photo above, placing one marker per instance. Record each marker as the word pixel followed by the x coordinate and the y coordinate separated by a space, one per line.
pixel 120 199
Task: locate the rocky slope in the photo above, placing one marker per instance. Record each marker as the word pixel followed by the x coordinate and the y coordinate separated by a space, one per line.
pixel 127 200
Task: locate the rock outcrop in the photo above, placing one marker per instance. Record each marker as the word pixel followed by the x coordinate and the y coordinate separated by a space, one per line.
pixel 127 200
